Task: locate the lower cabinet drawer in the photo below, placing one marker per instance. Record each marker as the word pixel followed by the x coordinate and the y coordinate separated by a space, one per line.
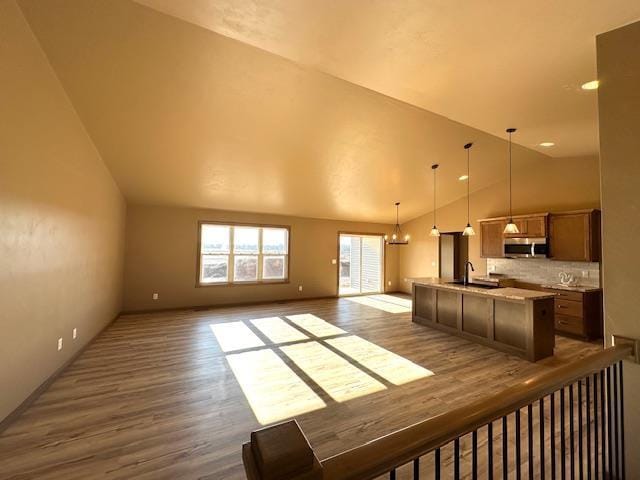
pixel 569 324
pixel 568 307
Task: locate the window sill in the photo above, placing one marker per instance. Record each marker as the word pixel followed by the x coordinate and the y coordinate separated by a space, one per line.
pixel 241 284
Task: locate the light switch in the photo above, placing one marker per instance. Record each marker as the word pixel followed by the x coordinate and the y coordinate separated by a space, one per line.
pixel 333 261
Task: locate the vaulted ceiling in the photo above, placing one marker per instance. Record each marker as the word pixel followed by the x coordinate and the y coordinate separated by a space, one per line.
pixel 272 108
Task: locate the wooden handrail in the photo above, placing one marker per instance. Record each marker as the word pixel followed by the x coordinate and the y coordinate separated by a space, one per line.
pixel 390 451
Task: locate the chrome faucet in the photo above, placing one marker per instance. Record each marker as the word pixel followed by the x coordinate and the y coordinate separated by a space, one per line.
pixel 466 271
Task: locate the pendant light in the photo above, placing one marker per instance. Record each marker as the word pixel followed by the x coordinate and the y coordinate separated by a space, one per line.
pixel 511 227
pixel 468 230
pixel 434 231
pixel 396 237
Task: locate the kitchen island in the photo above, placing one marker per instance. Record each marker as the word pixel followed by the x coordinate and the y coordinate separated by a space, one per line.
pixel 513 320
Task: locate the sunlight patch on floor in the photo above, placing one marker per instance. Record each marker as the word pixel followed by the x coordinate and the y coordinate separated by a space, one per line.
pixel 380 304
pixel 277 330
pixel 272 389
pixel 234 336
pixel 390 366
pixel 315 325
pixel 335 375
pixel 403 302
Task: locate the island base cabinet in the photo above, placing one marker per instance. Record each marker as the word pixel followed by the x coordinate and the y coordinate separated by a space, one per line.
pixel 522 328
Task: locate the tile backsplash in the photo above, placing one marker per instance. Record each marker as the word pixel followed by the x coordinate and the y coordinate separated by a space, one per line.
pixel 545 271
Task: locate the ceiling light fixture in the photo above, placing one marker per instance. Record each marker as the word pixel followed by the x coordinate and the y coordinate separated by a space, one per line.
pixel 592 85
pixel 463 177
pixel 396 236
pixel 547 144
pixel 468 230
pixel 511 227
pixel 434 231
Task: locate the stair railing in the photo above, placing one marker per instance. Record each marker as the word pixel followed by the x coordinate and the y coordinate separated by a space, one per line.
pixel 564 423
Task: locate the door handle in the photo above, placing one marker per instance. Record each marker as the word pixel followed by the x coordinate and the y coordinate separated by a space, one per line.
pixel 533 249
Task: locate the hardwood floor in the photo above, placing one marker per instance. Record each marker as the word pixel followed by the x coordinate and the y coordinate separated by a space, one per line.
pixel 156 396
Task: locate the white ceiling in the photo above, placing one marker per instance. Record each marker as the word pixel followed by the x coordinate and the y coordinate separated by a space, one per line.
pixel 186 116
pixel 485 64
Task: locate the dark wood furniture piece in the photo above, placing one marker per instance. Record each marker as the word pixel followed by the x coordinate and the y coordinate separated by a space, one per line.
pixel 515 321
pixel 491 238
pixel 575 236
pixel 576 313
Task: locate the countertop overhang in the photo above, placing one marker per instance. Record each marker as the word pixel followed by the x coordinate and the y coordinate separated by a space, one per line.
pixel 503 293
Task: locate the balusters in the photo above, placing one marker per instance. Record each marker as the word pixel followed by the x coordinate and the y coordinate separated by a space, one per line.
pixel 600 435
pixel 542 442
pixel 505 450
pixel 580 453
pixel 474 455
pixel 588 392
pixel 563 449
pixel 437 464
pixel 456 459
pixel 603 437
pixel 572 469
pixel 622 456
pixel 553 436
pixel 490 451
pixel 517 432
pixel 616 429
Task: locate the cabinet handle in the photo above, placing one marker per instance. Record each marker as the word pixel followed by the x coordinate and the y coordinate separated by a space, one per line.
pixel 562 306
pixel 563 322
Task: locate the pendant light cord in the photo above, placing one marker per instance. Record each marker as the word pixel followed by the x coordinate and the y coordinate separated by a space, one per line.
pixel 434 197
pixel 510 192
pixel 468 182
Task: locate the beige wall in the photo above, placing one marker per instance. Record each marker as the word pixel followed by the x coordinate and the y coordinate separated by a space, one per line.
pixel 619 110
pixel 554 185
pixel 161 251
pixel 61 221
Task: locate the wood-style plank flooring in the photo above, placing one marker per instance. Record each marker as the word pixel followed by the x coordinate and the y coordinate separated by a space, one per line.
pixel 155 397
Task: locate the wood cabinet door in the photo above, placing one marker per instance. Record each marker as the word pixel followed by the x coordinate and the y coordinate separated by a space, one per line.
pixel 536 227
pixel 491 239
pixel 570 237
pixel 521 223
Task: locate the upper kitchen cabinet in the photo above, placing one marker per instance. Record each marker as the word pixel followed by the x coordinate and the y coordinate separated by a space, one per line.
pixel 491 238
pixel 532 226
pixel 575 236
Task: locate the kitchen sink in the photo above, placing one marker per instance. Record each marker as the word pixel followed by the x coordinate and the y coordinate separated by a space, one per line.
pixel 472 284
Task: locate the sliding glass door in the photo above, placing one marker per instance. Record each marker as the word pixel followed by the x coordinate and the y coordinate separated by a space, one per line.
pixel 361 264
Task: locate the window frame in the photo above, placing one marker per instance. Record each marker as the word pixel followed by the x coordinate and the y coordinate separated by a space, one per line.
pixel 231 255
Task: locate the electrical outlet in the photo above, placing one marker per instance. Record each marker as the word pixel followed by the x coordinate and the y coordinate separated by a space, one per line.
pixel 75 333
pixel 59 344
pixel 299 288
pixel 492 268
pixel 433 263
pixel 585 273
pixel 155 296
pixel 389 283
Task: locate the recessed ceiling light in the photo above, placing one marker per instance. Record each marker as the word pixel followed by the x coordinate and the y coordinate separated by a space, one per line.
pixel 463 177
pixel 547 144
pixel 592 85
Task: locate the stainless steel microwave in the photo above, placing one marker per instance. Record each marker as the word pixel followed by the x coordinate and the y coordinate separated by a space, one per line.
pixel 525 247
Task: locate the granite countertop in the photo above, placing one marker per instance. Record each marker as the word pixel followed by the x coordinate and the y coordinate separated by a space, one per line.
pixel 507 293
pixel 570 288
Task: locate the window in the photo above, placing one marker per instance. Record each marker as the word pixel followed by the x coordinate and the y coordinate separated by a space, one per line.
pixel 242 254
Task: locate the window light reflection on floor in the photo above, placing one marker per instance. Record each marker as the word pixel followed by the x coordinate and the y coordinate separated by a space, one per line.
pixel 339 378
pixel 315 325
pixel 272 389
pixel 390 366
pixel 379 304
pixel 277 330
pixel 404 302
pixel 234 336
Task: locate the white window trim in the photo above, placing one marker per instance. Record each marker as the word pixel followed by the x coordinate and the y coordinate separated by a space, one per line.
pixel 231 256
